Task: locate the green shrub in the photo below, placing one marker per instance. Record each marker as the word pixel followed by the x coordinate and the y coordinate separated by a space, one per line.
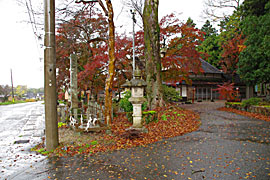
pixel 125 104
pixel 170 94
pixel 149 116
pixel 61 124
pixel 250 102
pixel 144 105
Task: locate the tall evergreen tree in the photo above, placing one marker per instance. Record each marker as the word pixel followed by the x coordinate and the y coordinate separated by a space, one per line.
pixel 190 22
pixel 208 29
pixel 254 62
pixel 210 46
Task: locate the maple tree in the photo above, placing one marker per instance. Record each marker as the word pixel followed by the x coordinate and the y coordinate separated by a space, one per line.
pixel 108 10
pixel 231 52
pixel 231 40
pixel 95 70
pixel 227 92
pixel 180 41
pixel 76 36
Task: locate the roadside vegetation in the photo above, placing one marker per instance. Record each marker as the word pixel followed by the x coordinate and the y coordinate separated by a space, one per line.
pixel 161 123
pixel 242 108
pixel 10 102
pixel 245 113
pixel 17 102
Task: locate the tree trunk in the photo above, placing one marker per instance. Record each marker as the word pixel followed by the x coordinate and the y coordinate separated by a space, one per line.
pixel 152 54
pixel 111 71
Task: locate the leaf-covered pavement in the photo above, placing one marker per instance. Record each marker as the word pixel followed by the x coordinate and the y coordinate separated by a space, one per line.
pixel 226 146
pixel 248 114
pixel 172 121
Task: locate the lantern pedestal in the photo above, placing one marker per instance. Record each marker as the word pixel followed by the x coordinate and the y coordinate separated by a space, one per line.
pixel 137 90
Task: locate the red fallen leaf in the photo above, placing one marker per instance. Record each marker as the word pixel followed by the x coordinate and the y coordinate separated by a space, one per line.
pixel 244 113
pixel 173 126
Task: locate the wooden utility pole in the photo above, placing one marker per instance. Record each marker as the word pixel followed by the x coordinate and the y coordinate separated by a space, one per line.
pixel 12 91
pixel 51 126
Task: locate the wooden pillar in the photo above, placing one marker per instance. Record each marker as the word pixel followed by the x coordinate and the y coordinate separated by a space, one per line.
pixel 51 126
pixel 211 94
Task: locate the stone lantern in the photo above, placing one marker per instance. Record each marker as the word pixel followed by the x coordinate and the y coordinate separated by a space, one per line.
pixel 137 85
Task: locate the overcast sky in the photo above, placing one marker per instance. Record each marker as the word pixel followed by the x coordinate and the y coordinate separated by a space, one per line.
pixel 20 51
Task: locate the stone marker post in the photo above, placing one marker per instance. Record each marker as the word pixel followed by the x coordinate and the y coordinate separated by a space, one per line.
pixel 137 90
pixel 73 84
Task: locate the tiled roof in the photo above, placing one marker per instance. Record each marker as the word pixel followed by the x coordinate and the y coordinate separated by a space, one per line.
pixel 208 68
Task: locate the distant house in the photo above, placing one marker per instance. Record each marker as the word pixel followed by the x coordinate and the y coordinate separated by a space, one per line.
pixel 30 95
pixel 204 84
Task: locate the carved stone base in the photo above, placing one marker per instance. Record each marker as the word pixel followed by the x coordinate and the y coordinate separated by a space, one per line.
pixel 142 129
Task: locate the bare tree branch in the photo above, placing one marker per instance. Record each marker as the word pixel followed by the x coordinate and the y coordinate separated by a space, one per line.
pixel 135 4
pixel 218 9
pixel 103 7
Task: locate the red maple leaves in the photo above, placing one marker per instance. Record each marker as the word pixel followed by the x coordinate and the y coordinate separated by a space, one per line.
pixel 180 41
pixel 231 52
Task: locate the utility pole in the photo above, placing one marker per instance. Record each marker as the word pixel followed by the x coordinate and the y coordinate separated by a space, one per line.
pixel 51 125
pixel 134 21
pixel 12 91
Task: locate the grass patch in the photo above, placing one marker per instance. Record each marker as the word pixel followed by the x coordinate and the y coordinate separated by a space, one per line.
pixel 231 103
pixel 9 102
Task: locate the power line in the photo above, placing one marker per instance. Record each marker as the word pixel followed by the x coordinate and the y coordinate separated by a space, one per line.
pixel 32 19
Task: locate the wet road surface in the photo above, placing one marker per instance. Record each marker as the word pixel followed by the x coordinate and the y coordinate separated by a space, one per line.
pixel 21 128
pixel 227 146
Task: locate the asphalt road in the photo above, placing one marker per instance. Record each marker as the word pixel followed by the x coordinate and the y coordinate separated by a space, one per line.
pixel 227 146
pixel 21 127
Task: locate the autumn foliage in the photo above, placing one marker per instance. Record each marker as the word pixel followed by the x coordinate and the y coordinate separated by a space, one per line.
pixel 180 41
pixel 90 45
pixel 231 51
pixel 248 114
pixel 227 92
pixel 172 121
pixel 75 36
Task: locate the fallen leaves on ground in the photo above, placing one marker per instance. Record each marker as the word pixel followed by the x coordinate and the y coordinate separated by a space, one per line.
pixel 245 113
pixel 172 121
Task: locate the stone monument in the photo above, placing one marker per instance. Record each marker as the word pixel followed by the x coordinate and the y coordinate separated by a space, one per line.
pixel 137 85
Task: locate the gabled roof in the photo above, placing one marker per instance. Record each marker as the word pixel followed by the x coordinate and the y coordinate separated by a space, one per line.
pixel 208 68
